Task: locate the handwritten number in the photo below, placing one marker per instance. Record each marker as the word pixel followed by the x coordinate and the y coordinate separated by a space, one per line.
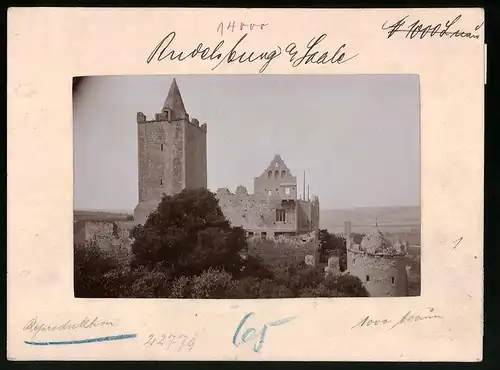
pixel 421 30
pixel 183 341
pixel 161 340
pixel 150 340
pixel 191 343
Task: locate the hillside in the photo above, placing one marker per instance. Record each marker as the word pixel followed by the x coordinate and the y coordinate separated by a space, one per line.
pixel 393 220
pixel 89 215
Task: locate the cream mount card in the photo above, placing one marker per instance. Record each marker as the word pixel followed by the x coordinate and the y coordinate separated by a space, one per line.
pixel 245 184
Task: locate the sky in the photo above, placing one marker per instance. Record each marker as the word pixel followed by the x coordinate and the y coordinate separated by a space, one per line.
pixel 357 137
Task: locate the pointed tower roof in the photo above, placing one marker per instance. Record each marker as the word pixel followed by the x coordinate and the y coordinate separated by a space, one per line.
pixel 174 102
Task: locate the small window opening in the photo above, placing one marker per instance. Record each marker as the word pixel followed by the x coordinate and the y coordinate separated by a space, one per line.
pixel 161 182
pixel 263 234
pixel 161 147
pixel 280 215
pixel 276 174
pixel 250 233
pixel 367 278
pixel 392 278
pixel 270 173
pixel 283 173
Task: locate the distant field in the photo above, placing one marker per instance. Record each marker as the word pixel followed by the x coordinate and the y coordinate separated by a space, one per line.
pixel 401 223
pixel 363 219
pixel 83 215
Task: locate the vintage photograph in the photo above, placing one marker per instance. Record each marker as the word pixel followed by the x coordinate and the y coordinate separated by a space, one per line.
pixel 246 186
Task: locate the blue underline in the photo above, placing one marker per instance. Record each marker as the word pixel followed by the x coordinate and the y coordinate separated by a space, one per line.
pixel 90 340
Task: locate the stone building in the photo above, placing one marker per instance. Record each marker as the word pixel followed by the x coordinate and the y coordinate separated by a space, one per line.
pixel 274 208
pixel 172 154
pixel 378 263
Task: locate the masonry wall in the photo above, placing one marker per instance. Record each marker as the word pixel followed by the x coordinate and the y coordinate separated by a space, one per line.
pixel 256 212
pixel 376 273
pixel 284 249
pixel 303 216
pixel 275 180
pixel 195 146
pixel 152 159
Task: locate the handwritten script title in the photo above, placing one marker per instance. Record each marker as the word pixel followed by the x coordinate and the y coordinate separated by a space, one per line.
pixel 311 53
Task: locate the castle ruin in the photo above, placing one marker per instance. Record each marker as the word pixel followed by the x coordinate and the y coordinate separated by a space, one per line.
pixel 379 264
pixel 172 156
pixel 274 208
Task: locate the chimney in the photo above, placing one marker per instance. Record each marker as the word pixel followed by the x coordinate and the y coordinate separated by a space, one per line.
pixel 304 187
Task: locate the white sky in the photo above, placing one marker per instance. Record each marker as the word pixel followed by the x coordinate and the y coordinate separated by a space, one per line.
pixel 356 136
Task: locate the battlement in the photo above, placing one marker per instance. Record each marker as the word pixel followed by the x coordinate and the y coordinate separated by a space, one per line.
pixel 164 117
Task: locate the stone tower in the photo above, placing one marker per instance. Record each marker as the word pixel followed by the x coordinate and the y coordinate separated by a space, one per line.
pixel 379 264
pixel 172 150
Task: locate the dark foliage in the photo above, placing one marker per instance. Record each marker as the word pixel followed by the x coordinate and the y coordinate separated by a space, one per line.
pixel 187 235
pixel 187 249
pixel 332 245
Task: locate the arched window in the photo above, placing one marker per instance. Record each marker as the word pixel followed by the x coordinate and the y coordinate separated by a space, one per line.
pixel 283 173
pixel 269 174
pixel 276 174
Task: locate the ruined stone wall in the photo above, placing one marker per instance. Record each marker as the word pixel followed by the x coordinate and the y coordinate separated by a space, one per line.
pixel 105 229
pixel 285 250
pixel 275 181
pixel 382 276
pixel 315 214
pixel 256 213
pixel 303 216
pixel 195 148
pixel 111 237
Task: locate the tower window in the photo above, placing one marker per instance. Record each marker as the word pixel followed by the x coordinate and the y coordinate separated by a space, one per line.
pixel 161 182
pixel 392 278
pixel 276 174
pixel 367 278
pixel 280 215
pixel 283 173
pixel 161 147
pixel 270 173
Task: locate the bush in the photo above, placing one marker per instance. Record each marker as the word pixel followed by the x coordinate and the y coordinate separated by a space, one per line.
pixel 212 283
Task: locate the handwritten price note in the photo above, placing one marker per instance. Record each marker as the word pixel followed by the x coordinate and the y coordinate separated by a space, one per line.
pixel 231 26
pixel 250 335
pixel 171 342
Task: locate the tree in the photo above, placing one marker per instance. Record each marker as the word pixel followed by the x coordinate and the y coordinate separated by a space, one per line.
pixel 332 245
pixel 90 266
pixel 188 234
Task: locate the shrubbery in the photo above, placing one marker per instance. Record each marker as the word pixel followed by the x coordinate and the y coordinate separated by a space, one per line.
pixel 188 249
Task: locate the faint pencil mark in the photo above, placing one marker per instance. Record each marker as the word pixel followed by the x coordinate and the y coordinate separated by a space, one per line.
pixel 457 242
